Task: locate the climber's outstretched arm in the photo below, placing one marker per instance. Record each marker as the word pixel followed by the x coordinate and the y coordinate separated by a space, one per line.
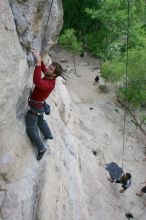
pixel 39 61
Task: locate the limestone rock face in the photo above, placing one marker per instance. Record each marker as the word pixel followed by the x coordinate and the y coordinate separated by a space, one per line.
pixel 38 23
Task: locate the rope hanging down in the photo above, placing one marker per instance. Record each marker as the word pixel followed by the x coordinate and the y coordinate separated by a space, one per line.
pixel 50 11
pixel 126 79
pixel 45 41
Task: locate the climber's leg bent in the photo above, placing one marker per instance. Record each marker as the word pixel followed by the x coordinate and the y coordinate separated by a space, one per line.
pixel 32 131
pixel 44 128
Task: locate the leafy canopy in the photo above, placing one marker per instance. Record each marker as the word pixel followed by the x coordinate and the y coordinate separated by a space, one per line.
pixel 69 41
pixel 100 27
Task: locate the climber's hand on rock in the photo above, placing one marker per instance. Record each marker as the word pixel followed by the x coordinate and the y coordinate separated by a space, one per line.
pixel 35 52
pixel 37 56
pixel 122 190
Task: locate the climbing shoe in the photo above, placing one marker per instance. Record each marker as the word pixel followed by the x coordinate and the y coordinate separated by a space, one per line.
pixel 51 137
pixel 40 154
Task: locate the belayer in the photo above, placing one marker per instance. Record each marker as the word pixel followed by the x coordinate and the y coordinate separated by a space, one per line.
pixel 125 180
pixel 37 105
pixel 117 175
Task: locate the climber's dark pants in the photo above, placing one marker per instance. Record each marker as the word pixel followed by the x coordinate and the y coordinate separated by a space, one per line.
pixel 33 121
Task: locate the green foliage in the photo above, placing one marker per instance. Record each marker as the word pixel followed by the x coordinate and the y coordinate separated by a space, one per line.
pixel 111 17
pixel 75 16
pixel 135 90
pixel 114 50
pixel 92 45
pixel 101 26
pixel 69 41
pixel 112 71
pixel 106 20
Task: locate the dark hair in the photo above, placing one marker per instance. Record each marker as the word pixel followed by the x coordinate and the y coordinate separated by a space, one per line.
pixel 128 175
pixel 58 68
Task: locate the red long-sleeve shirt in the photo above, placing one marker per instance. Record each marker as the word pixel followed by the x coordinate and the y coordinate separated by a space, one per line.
pixel 43 86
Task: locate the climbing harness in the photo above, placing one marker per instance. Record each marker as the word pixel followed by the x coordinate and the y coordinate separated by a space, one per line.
pixel 43 104
pixel 34 113
pixel 35 102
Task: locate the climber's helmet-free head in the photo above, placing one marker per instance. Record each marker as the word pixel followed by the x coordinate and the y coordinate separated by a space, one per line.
pixel 127 176
pixel 54 70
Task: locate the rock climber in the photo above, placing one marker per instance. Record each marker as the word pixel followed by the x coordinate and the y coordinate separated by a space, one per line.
pixel 42 89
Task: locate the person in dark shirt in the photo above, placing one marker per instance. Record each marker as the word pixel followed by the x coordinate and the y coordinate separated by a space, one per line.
pixel 43 87
pixel 125 180
pixel 142 191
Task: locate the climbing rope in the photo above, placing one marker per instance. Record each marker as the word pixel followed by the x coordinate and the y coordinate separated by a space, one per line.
pixel 50 11
pixel 74 62
pixel 126 80
pixel 45 29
